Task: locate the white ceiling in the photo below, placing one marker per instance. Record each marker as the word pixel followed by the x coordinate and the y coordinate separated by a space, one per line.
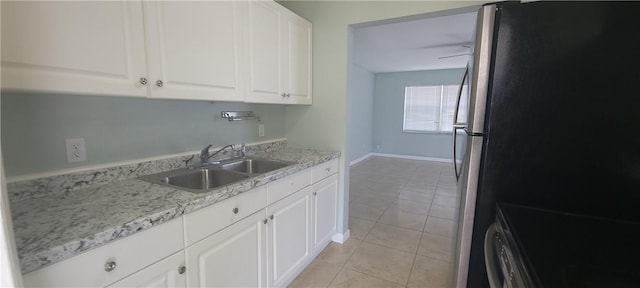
pixel 415 45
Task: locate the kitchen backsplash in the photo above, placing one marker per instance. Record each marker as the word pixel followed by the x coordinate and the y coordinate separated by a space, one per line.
pixel 67 183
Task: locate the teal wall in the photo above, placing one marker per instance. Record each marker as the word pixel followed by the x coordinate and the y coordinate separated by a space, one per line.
pixel 389 112
pixel 361 83
pixel 35 126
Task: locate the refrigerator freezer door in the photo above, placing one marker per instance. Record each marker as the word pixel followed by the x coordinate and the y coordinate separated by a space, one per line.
pixel 468 183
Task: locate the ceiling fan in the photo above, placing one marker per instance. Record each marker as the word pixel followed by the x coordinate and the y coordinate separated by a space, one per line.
pixel 467 45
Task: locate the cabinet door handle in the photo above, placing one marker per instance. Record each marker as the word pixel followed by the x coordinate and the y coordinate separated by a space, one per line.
pixel 235 210
pixel 284 95
pixel 271 217
pixel 315 193
pixel 159 83
pixel 265 221
pixel 328 169
pixel 288 95
pixel 182 269
pixel 110 266
pixel 143 80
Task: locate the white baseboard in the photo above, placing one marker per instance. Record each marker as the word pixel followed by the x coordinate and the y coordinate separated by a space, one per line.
pixel 434 159
pixel 356 161
pixel 446 160
pixel 341 237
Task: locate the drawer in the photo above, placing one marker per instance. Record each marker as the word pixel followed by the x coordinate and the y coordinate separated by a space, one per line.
pixel 323 170
pixel 128 254
pixel 288 185
pixel 209 220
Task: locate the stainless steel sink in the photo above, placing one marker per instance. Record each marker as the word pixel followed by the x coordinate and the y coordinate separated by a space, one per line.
pixel 254 165
pixel 203 179
pixel 209 177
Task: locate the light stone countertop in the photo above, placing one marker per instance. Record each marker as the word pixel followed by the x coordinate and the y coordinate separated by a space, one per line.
pixel 55 227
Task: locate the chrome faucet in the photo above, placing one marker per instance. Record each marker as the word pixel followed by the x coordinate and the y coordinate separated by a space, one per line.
pixel 204 153
pixel 205 156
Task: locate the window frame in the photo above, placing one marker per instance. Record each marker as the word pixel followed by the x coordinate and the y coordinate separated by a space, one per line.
pixel 440 109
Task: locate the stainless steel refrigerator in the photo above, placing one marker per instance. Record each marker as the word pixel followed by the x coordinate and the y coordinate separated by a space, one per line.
pixel 553 116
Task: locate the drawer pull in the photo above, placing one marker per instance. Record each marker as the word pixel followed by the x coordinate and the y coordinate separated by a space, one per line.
pixel 110 266
pixel 271 217
pixel 235 210
pixel 182 269
pixel 328 169
pixel 315 193
pixel 265 221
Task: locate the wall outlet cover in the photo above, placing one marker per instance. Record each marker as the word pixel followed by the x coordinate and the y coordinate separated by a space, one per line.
pixel 75 150
pixel 260 130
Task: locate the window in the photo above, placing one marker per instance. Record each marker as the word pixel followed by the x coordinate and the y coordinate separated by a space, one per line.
pixel 430 108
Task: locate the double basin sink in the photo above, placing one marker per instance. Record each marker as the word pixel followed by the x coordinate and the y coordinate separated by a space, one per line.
pixel 211 176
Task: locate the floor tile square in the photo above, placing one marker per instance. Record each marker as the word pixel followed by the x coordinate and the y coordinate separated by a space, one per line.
pixel 359 228
pixel 317 274
pixel 360 210
pixel 337 254
pixel 403 219
pixel 382 262
pixel 440 226
pixel 348 278
pixel 394 237
pixel 443 212
pixel 409 206
pixel 430 273
pixel 436 246
pixel 445 201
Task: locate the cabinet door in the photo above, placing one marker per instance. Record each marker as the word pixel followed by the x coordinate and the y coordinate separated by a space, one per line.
pixel 164 274
pixel 194 49
pixel 325 200
pixel 289 237
pixel 233 257
pixel 80 47
pixel 298 54
pixel 265 43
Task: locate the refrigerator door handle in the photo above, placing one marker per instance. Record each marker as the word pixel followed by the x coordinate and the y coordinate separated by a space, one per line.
pixel 457 172
pixel 457 125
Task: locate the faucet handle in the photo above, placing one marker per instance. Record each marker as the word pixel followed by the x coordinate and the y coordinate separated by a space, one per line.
pixel 204 153
pixel 205 150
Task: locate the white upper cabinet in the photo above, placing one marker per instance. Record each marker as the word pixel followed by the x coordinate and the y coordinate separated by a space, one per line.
pixel 195 49
pixel 79 47
pixel 265 45
pixel 279 44
pixel 251 51
pixel 298 54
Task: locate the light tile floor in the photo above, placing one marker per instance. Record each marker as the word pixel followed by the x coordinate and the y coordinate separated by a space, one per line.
pixel 403 222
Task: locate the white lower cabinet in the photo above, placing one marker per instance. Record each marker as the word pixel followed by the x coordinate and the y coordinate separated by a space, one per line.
pixel 233 257
pixel 115 261
pixel 167 273
pixel 325 211
pixel 261 238
pixel 289 237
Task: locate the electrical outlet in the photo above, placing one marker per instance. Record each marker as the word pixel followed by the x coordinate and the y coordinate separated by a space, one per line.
pixel 75 150
pixel 260 130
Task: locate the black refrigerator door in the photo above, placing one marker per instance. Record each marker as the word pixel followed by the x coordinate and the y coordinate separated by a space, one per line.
pixel 562 113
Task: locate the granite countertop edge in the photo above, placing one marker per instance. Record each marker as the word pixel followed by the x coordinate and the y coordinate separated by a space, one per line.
pixel 44 255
